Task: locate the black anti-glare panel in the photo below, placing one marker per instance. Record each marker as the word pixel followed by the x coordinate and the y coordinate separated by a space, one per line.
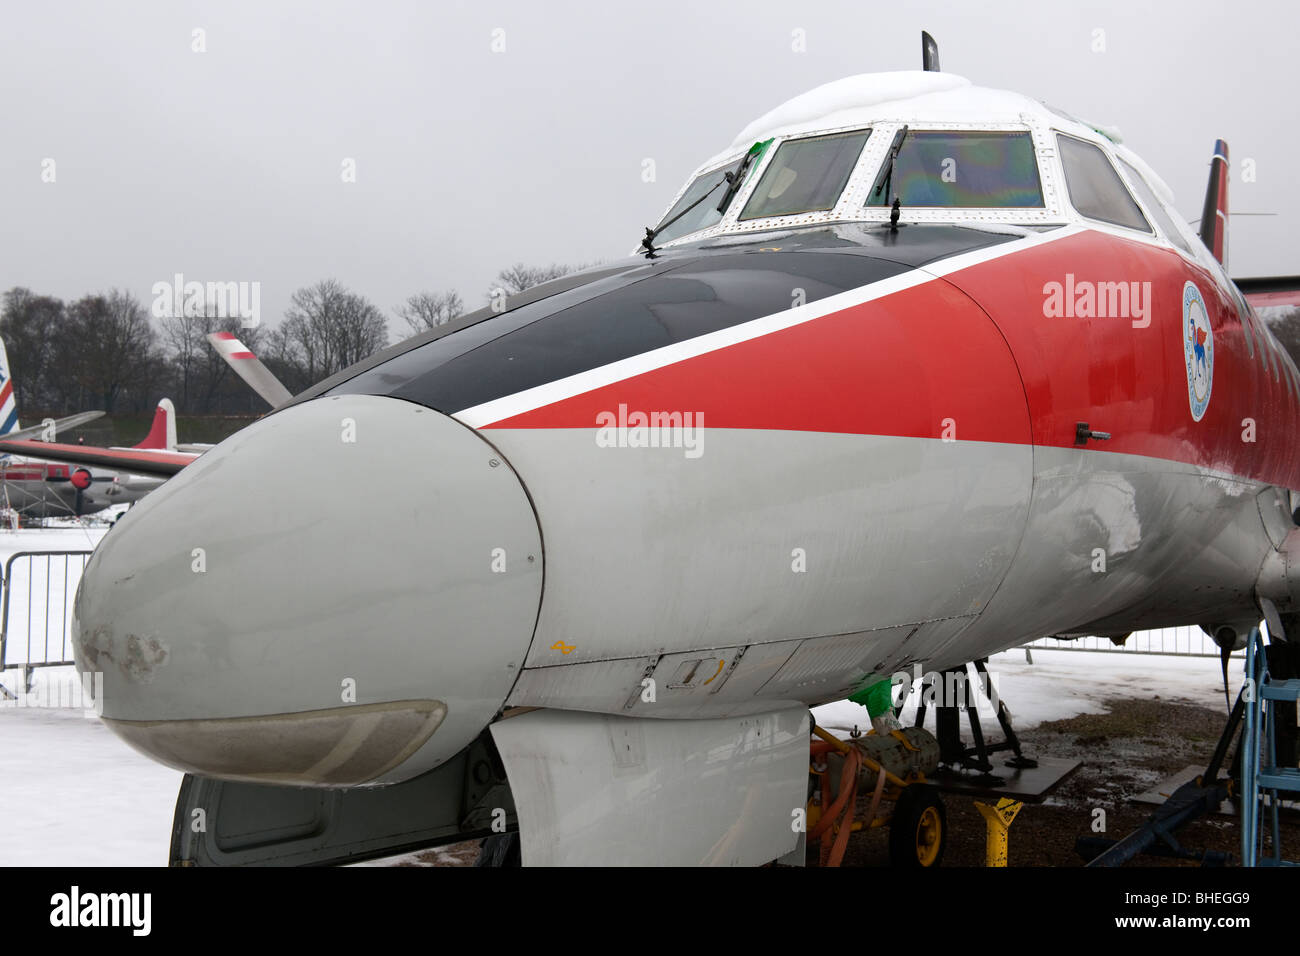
pixel 616 314
pixel 527 348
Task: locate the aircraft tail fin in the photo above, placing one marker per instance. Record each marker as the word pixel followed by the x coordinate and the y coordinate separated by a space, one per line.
pixel 162 436
pixel 8 404
pixel 1214 216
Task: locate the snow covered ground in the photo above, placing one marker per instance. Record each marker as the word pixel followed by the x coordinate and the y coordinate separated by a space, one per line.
pixel 1063 684
pixel 73 793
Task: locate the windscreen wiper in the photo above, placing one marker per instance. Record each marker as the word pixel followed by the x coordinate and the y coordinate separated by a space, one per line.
pixel 735 179
pixel 885 178
pixel 648 241
pixel 732 180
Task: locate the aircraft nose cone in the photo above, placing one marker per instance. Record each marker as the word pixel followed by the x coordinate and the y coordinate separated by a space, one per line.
pixel 341 593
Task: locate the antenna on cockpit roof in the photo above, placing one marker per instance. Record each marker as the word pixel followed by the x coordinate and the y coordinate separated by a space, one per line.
pixel 929 53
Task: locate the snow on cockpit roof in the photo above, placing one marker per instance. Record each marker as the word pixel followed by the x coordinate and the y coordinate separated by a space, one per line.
pixel 850 94
pixel 905 95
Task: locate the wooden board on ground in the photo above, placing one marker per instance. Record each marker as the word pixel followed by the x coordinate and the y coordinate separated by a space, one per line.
pixel 1161 791
pixel 1031 785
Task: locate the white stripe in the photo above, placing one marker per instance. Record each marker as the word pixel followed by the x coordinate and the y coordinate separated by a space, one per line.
pixel 549 393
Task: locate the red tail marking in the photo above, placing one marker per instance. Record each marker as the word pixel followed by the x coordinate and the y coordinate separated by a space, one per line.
pixel 157 437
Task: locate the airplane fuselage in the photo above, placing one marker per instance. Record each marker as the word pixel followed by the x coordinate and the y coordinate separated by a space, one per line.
pixel 784 452
pixel 888 472
pixel 885 475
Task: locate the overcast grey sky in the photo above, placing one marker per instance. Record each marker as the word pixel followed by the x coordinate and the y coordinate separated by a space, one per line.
pixel 226 165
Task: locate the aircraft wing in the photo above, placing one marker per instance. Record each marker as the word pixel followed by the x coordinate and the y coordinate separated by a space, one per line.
pixel 60 425
pixel 1271 290
pixel 133 460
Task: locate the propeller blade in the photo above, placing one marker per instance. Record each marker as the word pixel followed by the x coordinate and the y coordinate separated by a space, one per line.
pixel 250 368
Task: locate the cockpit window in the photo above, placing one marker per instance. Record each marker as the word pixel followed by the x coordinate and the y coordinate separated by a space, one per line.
pixel 806 175
pixel 1096 190
pixel 965 170
pixel 1157 209
pixel 706 214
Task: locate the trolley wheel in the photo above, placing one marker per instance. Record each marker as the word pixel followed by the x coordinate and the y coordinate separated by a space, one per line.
pixel 918 831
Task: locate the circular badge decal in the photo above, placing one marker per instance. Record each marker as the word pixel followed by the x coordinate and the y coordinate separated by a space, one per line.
pixel 1198 350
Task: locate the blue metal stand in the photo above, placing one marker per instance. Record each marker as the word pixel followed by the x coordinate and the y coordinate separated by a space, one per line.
pixel 1260 773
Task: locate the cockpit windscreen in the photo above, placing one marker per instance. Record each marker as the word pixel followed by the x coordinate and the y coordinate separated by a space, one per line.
pixel 968 170
pixel 806 175
pixel 705 214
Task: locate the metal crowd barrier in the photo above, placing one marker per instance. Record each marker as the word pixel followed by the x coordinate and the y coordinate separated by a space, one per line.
pixel 39 588
pixel 1171 641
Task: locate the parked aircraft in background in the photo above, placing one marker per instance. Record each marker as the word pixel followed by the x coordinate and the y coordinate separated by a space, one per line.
pixel 47 430
pixel 156 461
pixel 35 488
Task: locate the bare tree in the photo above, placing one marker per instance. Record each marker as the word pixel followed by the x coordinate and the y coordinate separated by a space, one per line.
pixel 183 340
pixel 197 371
pixel 106 351
pixel 326 329
pixel 427 310
pixel 29 325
